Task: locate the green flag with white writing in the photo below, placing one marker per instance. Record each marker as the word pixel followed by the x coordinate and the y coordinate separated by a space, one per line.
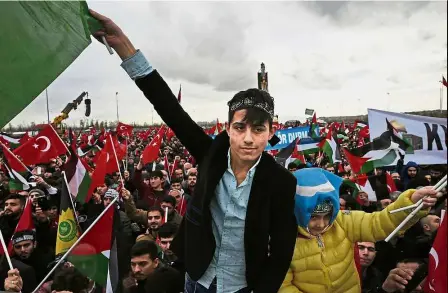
pixel 39 40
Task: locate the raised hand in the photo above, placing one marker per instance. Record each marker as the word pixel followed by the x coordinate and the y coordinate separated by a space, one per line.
pixel 428 194
pixel 114 36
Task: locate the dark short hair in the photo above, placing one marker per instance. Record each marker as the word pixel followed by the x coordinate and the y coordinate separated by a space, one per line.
pixel 167 230
pixel 176 180
pixel 254 116
pixel 145 247
pixel 69 279
pixel 156 173
pixel 16 196
pixel 169 199
pixel 156 209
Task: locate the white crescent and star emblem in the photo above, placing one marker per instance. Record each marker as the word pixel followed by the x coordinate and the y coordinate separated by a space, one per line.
pixel 47 147
pixel 123 127
pixel 434 254
pixel 107 157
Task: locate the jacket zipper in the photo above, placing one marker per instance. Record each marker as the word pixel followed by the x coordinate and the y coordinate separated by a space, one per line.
pixel 320 242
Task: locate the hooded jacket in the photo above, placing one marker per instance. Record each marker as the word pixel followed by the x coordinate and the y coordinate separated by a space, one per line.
pixel 405 179
pixel 326 263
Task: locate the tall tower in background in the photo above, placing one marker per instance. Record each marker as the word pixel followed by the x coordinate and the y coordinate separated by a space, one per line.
pixel 263 78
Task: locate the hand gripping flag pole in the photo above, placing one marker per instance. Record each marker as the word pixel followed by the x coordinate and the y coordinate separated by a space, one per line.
pixel 442 181
pixel 419 205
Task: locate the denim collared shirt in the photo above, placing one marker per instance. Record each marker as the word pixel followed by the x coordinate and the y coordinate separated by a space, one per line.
pixel 228 209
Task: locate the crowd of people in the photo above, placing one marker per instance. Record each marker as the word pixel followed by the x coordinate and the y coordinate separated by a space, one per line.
pixel 220 215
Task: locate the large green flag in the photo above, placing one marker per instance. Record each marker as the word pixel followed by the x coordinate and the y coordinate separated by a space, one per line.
pixel 39 40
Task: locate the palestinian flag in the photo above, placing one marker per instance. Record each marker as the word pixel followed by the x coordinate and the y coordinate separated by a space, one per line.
pixel 364 160
pixel 284 154
pixel 77 177
pixel 308 145
pixel 16 181
pixel 364 183
pixel 360 125
pixel 314 128
pixel 95 256
pixel 395 136
pixel 297 157
pixel 331 148
pixel 67 226
pixel 47 36
pixel 14 162
pixel 9 141
pixel 383 151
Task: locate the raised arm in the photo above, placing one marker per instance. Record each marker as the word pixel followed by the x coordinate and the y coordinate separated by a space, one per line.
pixel 155 89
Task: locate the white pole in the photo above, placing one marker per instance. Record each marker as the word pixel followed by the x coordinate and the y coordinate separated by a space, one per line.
pixel 116 160
pixel 76 243
pixel 103 39
pixel 116 99
pixel 71 197
pixel 412 214
pixel 166 215
pixel 5 249
pixel 48 108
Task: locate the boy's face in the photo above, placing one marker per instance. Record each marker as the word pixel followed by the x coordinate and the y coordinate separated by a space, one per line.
pixel 318 223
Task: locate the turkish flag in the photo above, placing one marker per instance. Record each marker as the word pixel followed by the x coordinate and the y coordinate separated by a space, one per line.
pixel 45 146
pixel 26 222
pixel 120 150
pixel 24 138
pixel 151 152
pixel 100 171
pixel 436 282
pixel 365 132
pixel 124 129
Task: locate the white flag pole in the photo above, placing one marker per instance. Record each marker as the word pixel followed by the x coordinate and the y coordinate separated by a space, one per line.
pixel 71 197
pixel 412 214
pixel 116 159
pixel 5 249
pixel 76 243
pixel 166 215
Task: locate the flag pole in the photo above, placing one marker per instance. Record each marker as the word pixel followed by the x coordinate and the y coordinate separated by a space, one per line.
pixel 440 186
pixel 441 94
pixel 76 243
pixel 126 165
pixel 116 100
pixel 70 195
pixel 48 109
pixel 116 159
pixel 5 249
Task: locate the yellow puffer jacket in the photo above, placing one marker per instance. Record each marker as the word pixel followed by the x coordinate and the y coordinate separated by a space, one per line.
pixel 331 269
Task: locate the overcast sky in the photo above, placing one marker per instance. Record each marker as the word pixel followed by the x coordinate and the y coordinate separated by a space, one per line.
pixel 338 58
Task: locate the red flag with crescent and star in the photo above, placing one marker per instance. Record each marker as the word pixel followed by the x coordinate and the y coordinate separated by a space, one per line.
pixel 45 146
pixel 438 261
pixel 124 129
